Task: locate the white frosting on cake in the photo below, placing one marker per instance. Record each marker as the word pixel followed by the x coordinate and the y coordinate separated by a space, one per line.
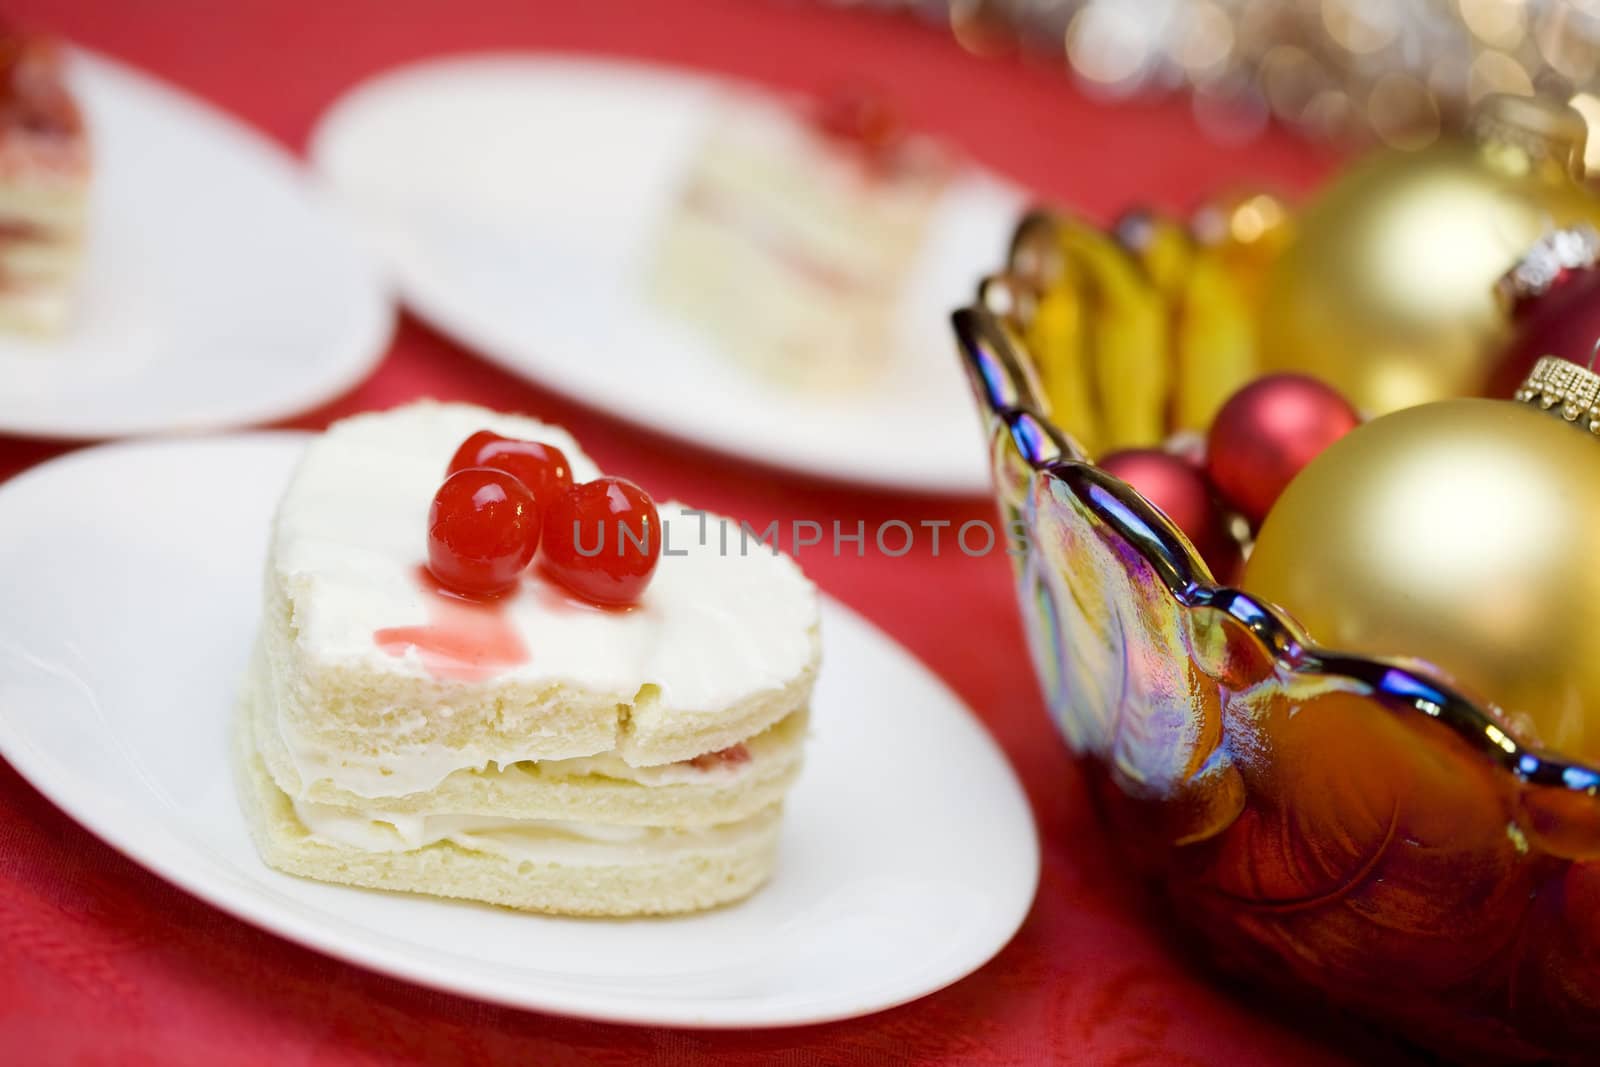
pixel 709 630
pixel 712 629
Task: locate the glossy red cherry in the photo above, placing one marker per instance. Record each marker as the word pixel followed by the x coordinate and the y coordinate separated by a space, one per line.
pixel 542 468
pixel 483 529
pixel 602 540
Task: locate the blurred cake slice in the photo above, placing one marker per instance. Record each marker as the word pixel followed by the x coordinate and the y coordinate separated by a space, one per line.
pixel 44 185
pixel 793 236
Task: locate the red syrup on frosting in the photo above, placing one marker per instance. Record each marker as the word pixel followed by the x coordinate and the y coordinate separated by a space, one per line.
pixel 466 639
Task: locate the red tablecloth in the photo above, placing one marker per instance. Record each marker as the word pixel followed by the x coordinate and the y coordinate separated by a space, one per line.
pixel 101 962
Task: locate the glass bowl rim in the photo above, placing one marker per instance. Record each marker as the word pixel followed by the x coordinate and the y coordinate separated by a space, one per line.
pixel 1000 372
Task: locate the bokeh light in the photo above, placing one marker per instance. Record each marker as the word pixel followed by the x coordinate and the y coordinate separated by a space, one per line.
pixel 1396 71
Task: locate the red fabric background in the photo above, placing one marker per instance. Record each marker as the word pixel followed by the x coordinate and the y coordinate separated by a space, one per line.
pixel 102 963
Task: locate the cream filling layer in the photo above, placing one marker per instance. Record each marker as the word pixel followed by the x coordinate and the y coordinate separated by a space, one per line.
pixel 424 767
pixel 396 773
pixel 522 840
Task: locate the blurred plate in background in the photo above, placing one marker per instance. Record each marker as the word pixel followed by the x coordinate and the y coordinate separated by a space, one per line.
pixel 520 202
pixel 216 290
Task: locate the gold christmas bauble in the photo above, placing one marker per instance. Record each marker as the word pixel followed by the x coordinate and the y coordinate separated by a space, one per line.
pixel 1387 290
pixel 1462 533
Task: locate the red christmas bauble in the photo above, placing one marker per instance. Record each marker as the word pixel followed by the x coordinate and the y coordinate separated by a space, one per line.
pixel 1179 488
pixel 1267 432
pixel 1563 321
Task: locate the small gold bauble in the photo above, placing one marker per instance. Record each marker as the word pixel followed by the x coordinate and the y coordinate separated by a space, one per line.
pixel 1462 533
pixel 1387 290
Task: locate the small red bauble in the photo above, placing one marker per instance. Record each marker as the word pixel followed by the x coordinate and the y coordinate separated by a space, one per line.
pixel 602 540
pixel 1176 486
pixel 1266 434
pixel 483 529
pixel 542 468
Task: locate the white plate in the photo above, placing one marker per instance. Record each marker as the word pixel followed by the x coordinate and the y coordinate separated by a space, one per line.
pixel 216 292
pixel 132 579
pixel 517 199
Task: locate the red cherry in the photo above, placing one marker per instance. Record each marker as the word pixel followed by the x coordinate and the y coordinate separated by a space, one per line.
pixel 542 468
pixel 602 540
pixel 1266 434
pixel 1176 485
pixel 483 529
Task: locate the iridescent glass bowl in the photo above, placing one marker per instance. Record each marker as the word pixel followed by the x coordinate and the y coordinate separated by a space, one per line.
pixel 1346 828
